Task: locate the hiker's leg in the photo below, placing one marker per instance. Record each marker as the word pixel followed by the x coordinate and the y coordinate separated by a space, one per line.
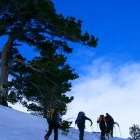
pixel 56 133
pixel 49 132
pixel 111 132
pixel 81 134
pixel 108 133
pixel 102 135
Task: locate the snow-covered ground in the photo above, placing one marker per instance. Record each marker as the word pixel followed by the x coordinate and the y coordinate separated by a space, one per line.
pixel 15 125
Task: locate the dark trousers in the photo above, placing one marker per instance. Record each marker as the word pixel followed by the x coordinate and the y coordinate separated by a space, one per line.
pixel 103 134
pixel 81 133
pixel 51 128
pixel 110 131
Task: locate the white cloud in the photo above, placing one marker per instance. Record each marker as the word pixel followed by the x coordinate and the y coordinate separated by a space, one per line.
pixel 107 87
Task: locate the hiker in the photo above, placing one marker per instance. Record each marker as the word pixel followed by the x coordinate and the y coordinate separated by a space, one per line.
pixel 110 124
pixel 102 125
pixel 80 121
pixel 54 121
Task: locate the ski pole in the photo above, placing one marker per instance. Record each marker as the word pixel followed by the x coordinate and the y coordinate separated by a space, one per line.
pixel 91 127
pixel 120 132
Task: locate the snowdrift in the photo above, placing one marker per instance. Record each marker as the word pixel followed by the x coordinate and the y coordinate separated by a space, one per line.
pixel 15 125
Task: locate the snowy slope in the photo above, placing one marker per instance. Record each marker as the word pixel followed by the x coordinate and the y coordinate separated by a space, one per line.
pixel 16 125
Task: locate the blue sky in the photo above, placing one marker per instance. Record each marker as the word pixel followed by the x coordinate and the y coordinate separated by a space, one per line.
pixel 115 23
pixel 109 74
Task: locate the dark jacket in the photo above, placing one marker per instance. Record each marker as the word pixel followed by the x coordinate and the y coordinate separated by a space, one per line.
pixel 102 123
pixel 109 121
pixel 80 121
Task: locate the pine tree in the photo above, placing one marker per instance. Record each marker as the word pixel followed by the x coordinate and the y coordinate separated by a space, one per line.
pixel 48 88
pixel 32 22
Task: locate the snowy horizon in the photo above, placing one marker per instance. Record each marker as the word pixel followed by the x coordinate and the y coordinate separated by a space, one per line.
pixel 15 125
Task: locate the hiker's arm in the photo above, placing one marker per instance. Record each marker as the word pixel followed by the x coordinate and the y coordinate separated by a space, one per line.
pixel 116 123
pixel 89 120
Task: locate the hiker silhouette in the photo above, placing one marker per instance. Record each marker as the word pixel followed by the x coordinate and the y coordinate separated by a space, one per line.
pixel 80 121
pixel 54 121
pixel 102 125
pixel 106 124
pixel 109 124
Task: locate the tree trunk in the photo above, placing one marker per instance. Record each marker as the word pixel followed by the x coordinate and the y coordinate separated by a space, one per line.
pixel 4 70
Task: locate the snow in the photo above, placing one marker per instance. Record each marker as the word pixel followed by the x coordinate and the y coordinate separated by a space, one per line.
pixel 15 125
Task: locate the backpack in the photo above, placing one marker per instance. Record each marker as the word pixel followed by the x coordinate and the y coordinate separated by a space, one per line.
pixel 80 118
pixel 109 121
pixel 50 114
pixel 102 123
pixel 53 117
